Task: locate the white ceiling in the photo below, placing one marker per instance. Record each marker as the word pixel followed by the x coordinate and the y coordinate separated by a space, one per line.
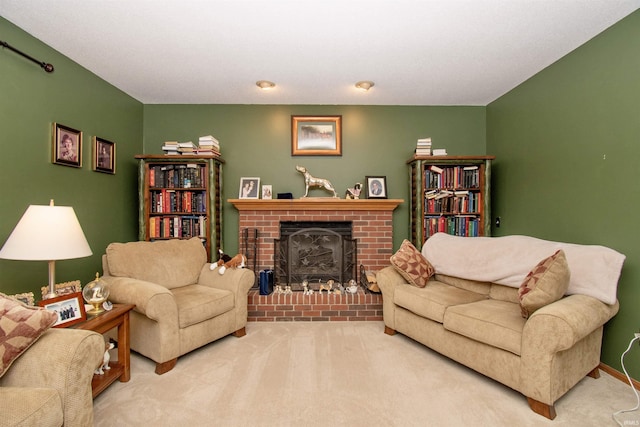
pixel 429 52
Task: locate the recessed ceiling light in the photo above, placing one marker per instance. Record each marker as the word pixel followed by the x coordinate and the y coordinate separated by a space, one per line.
pixel 265 84
pixel 365 85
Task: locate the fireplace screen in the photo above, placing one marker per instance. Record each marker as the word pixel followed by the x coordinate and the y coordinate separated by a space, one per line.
pixel 315 254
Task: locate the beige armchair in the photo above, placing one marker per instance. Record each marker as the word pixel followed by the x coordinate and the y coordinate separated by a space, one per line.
pixel 181 304
pixel 50 383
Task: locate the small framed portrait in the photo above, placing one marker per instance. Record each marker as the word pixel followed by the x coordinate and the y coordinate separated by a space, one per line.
pixel 26 298
pixel 69 308
pixel 316 135
pixel 64 288
pixel 66 146
pixel 376 187
pixel 249 188
pixel 267 192
pixel 104 155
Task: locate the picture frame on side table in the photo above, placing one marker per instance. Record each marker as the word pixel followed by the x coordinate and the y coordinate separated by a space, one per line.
pixel 64 288
pixel 249 188
pixel 69 308
pixel 316 135
pixel 26 298
pixel 376 187
pixel 104 156
pixel 66 146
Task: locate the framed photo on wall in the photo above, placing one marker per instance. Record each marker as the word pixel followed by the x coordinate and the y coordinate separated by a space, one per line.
pixel 104 155
pixel 249 188
pixel 316 135
pixel 69 308
pixel 66 146
pixel 376 187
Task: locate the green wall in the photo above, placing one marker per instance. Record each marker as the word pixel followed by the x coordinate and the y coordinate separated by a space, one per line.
pixel 31 100
pixel 256 142
pixel 567 146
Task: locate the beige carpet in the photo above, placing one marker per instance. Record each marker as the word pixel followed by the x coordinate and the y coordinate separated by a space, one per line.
pixel 336 374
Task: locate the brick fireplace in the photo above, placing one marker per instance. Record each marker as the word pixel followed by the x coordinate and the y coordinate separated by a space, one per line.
pixel 372 226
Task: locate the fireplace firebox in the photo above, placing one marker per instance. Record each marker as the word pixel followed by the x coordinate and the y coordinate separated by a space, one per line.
pixel 314 251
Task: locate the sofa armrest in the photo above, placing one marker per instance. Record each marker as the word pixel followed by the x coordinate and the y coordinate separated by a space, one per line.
pixel 558 326
pixel 63 359
pixel 388 279
pixel 236 280
pixel 152 300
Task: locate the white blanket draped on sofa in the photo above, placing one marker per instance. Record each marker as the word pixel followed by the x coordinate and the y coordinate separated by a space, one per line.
pixel 507 260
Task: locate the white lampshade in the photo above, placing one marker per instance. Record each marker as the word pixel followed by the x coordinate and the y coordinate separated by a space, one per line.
pixel 46 233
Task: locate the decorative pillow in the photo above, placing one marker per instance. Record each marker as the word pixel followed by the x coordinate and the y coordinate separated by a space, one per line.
pixel 20 326
pixel 410 263
pixel 546 283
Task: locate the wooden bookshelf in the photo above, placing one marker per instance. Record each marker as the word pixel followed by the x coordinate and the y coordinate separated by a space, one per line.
pixel 449 194
pixel 180 197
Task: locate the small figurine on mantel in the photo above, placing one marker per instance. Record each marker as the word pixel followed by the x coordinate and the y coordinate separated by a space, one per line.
pixel 310 181
pixel 354 193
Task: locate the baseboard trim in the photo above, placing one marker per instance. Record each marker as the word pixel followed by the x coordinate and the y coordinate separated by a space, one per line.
pixel 619 375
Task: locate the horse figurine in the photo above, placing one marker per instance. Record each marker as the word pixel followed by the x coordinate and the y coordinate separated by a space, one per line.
pixel 310 181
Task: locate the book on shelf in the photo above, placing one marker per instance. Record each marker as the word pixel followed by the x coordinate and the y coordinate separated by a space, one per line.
pixel 435 169
pixel 439 151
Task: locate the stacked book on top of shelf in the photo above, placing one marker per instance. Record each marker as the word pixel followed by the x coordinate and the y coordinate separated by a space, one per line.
pixel 170 147
pixel 208 145
pixel 423 147
pixel 187 147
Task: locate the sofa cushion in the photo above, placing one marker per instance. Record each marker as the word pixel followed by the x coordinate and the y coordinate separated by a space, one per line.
pixel 432 301
pixel 169 263
pixel 197 303
pixel 412 265
pixel 20 326
pixel 493 322
pixel 546 283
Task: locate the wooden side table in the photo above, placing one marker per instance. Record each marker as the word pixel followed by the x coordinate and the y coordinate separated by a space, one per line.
pixel 101 323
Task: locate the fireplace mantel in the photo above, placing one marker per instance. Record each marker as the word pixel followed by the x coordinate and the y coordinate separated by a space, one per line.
pixel 316 204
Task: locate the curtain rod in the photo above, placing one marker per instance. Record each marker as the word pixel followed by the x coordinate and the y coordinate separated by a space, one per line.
pixel 47 67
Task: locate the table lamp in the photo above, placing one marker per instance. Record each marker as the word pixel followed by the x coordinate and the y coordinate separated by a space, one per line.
pixel 47 233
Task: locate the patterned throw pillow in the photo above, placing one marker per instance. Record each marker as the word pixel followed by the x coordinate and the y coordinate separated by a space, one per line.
pixel 410 263
pixel 546 283
pixel 20 326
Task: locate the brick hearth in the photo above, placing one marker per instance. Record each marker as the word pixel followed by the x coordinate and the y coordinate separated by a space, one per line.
pixel 316 307
pixel 372 226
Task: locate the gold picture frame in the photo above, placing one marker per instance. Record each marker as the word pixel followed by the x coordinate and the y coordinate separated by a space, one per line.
pixel 66 147
pixel 65 288
pixel 27 298
pixel 104 156
pixel 316 135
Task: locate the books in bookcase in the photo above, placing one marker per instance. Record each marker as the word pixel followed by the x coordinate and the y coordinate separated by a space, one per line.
pixel 178 227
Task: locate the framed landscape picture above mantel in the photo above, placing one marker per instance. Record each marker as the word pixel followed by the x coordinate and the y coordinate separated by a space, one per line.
pixel 316 135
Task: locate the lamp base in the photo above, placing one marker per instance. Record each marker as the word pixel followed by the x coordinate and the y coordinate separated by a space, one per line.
pixel 49 295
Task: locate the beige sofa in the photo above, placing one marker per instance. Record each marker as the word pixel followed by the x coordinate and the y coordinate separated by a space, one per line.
pixel 50 383
pixel 181 304
pixel 470 312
